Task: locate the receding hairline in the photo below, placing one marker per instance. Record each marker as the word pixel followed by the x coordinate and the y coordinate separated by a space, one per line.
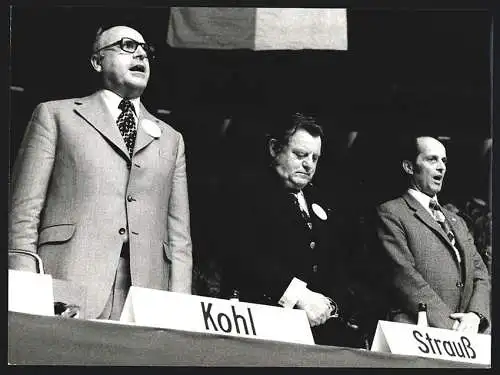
pixel 101 33
pixel 419 139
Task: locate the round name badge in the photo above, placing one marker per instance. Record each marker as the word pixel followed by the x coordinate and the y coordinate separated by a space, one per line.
pixel 151 128
pixel 319 211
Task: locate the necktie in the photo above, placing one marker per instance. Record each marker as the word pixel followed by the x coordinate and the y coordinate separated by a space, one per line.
pixel 305 216
pixel 126 124
pixel 441 219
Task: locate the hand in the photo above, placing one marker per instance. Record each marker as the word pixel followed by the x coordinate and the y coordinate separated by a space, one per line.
pixel 466 322
pixel 316 306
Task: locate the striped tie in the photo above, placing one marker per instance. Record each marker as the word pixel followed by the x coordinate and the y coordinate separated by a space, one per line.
pixel 441 219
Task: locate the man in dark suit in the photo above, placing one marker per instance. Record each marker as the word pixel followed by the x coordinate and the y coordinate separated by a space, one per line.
pixel 99 188
pixel 284 239
pixel 430 253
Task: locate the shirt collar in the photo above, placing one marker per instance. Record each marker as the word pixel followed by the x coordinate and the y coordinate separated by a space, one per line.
pixel 422 198
pixel 302 200
pixel 112 101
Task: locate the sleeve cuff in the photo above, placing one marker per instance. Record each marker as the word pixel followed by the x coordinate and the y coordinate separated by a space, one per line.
pixel 292 293
pixel 483 321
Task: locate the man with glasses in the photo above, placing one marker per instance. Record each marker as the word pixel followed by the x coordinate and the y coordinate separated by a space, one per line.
pixel 99 188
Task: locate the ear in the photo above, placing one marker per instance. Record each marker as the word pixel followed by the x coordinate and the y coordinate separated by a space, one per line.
pixel 273 147
pixel 95 60
pixel 407 166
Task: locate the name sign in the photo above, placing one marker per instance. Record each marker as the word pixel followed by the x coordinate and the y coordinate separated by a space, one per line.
pixel 30 293
pixel 159 308
pixel 410 339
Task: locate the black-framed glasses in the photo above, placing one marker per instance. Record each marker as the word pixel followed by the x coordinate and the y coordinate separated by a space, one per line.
pixel 130 45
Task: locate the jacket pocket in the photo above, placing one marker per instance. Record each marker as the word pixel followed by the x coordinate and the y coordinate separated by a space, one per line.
pixel 56 233
pixel 168 251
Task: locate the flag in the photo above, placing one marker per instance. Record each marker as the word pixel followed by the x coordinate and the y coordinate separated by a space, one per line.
pixel 258 28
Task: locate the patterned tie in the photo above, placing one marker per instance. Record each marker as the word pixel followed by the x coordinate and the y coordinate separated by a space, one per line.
pixel 126 124
pixel 441 219
pixel 305 216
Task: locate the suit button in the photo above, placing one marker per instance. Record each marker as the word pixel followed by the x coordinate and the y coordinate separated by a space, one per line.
pixel 312 245
pixel 130 198
pixel 315 268
pixel 122 231
pixel 460 284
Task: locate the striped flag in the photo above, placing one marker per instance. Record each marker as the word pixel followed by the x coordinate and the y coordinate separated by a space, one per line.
pixel 258 28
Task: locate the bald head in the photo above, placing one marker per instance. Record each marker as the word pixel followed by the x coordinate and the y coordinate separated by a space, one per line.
pixel 427 170
pixel 108 36
pixel 124 72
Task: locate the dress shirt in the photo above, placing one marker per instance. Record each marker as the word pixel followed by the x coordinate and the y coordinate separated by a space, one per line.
pixel 423 199
pixel 112 101
pixel 302 201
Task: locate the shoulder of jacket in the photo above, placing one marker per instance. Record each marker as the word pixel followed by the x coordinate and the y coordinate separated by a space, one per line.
pixel 59 102
pixel 391 206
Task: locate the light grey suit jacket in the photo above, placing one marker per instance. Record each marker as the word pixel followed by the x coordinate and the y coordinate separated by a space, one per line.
pixel 74 187
pixel 424 267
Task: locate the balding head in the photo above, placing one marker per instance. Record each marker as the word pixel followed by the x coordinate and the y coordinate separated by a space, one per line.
pixel 426 170
pixel 124 72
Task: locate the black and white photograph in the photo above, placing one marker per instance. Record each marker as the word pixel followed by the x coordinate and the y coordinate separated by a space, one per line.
pixel 250 186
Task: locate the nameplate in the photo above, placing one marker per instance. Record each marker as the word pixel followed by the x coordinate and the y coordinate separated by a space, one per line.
pixel 30 293
pixel 158 308
pixel 410 339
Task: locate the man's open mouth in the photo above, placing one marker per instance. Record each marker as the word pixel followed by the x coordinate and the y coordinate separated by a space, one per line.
pixel 138 68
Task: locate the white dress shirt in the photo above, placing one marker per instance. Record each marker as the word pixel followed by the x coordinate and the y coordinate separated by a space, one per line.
pixel 113 100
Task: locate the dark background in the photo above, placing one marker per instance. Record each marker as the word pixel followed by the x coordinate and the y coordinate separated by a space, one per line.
pixel 403 71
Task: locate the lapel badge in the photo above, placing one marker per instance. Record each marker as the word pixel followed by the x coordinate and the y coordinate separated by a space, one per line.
pixel 151 128
pixel 319 211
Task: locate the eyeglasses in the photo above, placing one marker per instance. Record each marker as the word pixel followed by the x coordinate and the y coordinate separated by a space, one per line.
pixel 130 46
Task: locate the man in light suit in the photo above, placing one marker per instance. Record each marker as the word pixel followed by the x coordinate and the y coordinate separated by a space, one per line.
pixel 430 253
pixel 99 188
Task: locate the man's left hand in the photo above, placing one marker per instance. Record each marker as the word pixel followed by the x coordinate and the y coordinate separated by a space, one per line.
pixel 466 322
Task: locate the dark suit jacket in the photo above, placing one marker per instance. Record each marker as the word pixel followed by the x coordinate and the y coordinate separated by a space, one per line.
pixel 422 266
pixel 270 244
pixel 74 186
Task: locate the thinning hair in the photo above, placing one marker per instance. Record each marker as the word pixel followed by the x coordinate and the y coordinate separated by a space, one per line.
pixel 100 30
pixel 409 146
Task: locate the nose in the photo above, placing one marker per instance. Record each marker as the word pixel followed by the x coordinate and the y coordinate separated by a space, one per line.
pixel 308 163
pixel 441 166
pixel 140 53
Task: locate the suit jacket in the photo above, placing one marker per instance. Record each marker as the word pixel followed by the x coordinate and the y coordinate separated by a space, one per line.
pixel 271 244
pixel 422 265
pixel 75 189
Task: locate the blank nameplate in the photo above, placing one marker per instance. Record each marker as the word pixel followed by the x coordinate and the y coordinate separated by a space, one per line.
pixel 31 293
pixel 158 308
pixel 410 339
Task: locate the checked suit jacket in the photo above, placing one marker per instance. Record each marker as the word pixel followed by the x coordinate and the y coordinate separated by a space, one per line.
pixel 74 189
pixel 422 266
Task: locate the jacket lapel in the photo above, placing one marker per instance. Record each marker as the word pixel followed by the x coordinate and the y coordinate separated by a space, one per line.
pixel 459 238
pixel 143 137
pixel 93 110
pixel 426 217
